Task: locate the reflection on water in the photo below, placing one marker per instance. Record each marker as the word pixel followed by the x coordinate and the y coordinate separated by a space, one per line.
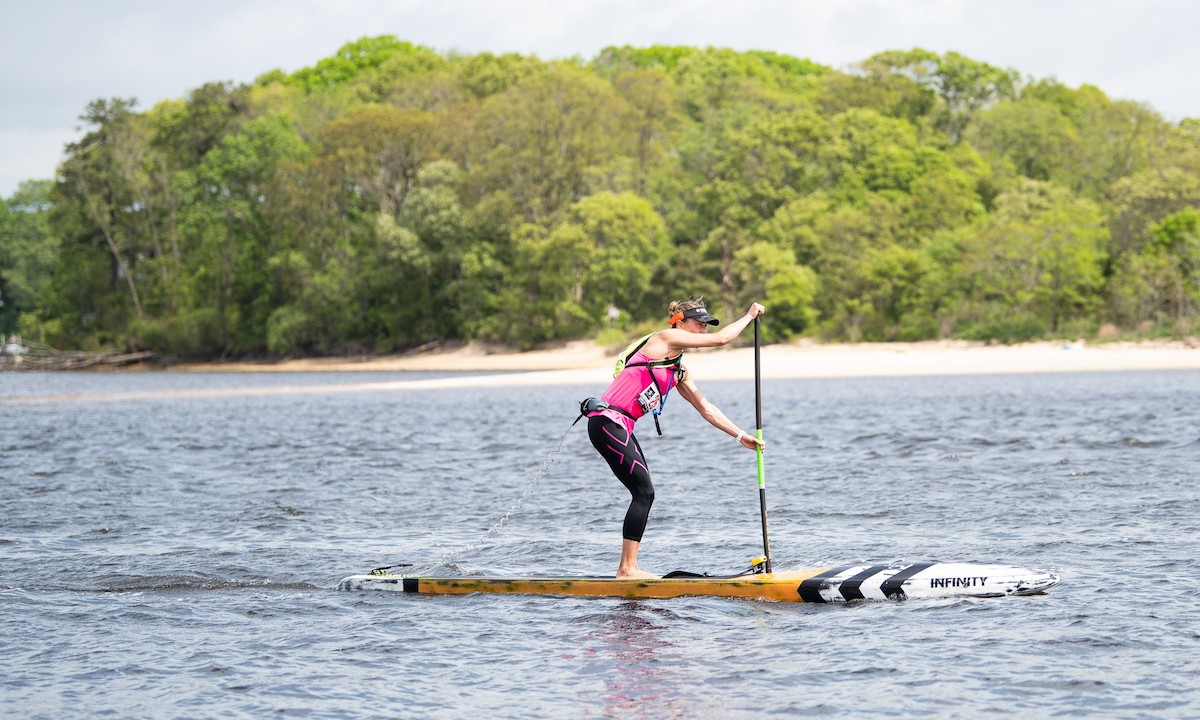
pixel 638 663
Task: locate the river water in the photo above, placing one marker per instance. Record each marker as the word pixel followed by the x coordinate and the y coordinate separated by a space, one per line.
pixel 167 553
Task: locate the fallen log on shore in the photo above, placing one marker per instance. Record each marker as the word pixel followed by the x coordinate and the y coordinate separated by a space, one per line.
pixel 57 361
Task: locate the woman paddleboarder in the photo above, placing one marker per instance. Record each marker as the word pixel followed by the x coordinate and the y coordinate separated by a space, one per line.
pixel 652 367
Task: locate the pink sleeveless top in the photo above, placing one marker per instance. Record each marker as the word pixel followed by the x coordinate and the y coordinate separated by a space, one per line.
pixel 634 392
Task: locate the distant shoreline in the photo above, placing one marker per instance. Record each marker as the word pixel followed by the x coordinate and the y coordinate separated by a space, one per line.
pixel 791 360
pixel 585 363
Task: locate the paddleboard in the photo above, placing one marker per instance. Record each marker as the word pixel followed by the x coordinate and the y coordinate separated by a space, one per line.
pixel 843 583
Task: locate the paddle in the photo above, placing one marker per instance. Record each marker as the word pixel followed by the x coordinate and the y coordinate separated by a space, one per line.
pixel 758 433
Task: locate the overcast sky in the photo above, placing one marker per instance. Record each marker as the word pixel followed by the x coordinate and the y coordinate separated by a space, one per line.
pixel 57 55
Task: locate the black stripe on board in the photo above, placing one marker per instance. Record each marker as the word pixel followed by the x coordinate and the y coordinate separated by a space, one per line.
pixel 850 588
pixel 411 585
pixel 810 589
pixel 892 587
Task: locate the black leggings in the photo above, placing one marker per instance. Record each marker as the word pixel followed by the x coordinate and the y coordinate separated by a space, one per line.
pixel 625 459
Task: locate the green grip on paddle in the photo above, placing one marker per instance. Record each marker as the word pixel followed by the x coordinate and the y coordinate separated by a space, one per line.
pixel 762 475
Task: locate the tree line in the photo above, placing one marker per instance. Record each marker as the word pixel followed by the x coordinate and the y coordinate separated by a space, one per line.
pixel 391 196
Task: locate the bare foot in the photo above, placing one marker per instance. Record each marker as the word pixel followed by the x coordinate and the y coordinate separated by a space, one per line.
pixel 636 573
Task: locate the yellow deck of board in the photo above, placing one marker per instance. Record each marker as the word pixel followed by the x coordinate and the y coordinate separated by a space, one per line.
pixel 767 586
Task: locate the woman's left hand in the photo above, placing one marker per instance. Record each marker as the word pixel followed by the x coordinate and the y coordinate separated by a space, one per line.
pixel 752 443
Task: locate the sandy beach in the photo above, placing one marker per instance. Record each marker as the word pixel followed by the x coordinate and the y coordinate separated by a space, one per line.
pixel 585 361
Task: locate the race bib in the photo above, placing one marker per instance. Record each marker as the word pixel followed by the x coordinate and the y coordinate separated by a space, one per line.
pixel 649 398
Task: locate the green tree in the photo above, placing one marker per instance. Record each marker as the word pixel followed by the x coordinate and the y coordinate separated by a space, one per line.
pixel 755 171
pixel 608 249
pixel 1034 135
pixel 891 293
pixel 1116 138
pixel 435 213
pixel 373 154
pixel 485 74
pixel 185 131
pixel 653 117
pixel 866 152
pixel 964 86
pixel 714 79
pixel 769 273
pixel 363 56
pixel 537 140
pixel 875 85
pixel 391 196
pixel 1141 201
pixel 1161 283
pixel 234 233
pixel 942 198
pixel 98 210
pixel 1181 147
pixel 1036 265
pixel 613 61
pixel 842 235
pixel 28 250
pixel 967 86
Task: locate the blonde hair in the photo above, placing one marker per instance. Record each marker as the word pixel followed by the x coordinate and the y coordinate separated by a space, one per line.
pixel 679 306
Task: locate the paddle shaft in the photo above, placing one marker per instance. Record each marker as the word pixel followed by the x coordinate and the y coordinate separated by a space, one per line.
pixel 758 433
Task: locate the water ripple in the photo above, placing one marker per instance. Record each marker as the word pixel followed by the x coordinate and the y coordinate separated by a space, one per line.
pixel 181 560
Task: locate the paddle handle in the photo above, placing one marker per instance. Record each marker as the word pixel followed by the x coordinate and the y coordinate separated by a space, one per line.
pixel 758 433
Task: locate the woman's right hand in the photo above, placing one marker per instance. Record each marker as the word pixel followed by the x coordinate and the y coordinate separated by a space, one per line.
pixel 755 310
